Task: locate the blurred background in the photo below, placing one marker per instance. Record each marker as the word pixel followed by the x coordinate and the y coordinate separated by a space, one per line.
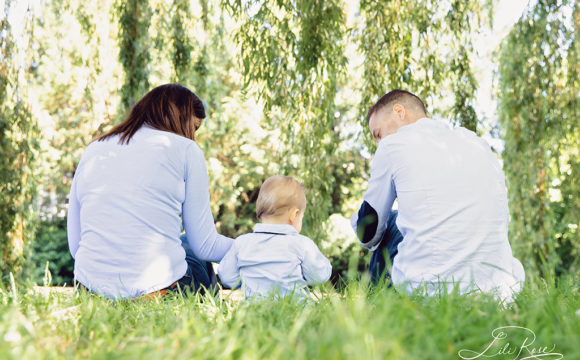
pixel 286 86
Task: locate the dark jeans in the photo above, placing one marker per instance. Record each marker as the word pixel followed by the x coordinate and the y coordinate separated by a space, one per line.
pixel 389 243
pixel 199 275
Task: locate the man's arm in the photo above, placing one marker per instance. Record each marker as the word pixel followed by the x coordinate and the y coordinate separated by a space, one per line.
pixel 370 222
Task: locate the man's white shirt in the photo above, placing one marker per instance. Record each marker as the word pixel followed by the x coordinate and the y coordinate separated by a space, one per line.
pixel 452 209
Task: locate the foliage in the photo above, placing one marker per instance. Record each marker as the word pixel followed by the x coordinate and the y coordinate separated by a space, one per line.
pixel 538 94
pixel 341 247
pixel 182 46
pixel 352 324
pixel 134 20
pixel 293 53
pixel 18 147
pixel 236 166
pixel 424 47
pixel 50 256
pixel 75 91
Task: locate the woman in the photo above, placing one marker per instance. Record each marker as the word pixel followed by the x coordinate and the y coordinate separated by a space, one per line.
pixel 132 189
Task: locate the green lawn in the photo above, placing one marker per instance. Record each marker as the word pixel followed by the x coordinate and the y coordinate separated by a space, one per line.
pixel 350 324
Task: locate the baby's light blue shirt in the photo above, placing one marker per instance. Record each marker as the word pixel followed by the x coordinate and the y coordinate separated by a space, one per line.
pixel 274 258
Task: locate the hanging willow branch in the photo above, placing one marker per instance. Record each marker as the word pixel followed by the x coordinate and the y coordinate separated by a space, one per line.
pixel 18 146
pixel 423 47
pixel 537 102
pixel 182 46
pixel 134 21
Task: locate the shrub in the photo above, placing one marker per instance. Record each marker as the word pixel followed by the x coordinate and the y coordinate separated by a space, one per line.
pixel 51 246
pixel 342 249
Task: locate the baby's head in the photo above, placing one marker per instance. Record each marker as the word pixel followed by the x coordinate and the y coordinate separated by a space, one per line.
pixel 281 201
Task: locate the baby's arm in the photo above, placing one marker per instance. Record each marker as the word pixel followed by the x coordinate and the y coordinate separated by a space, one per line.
pixel 228 269
pixel 316 268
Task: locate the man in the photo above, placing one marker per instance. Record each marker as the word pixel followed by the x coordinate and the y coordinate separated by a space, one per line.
pixel 452 204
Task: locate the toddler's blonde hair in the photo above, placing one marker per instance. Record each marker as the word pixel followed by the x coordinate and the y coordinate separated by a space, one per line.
pixel 278 194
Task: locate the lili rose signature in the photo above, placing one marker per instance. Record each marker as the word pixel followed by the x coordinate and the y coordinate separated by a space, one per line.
pixel 501 345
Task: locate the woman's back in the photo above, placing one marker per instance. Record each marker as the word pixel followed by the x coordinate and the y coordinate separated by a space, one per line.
pixel 131 196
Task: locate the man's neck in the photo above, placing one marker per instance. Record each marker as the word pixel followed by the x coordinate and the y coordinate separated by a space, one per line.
pixel 413 118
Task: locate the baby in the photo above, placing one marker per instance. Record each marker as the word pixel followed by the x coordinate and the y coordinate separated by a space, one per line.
pixel 275 258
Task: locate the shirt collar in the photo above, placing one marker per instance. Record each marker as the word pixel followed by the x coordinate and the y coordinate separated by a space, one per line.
pixel 282 229
pixel 427 122
pixel 422 122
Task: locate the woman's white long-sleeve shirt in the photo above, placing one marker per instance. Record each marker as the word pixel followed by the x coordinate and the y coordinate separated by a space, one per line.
pixel 126 206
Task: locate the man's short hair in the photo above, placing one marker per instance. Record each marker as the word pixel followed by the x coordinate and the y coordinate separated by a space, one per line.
pixel 278 194
pixel 402 97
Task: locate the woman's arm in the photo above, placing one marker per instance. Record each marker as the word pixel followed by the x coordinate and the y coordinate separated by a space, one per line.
pixel 198 221
pixel 73 221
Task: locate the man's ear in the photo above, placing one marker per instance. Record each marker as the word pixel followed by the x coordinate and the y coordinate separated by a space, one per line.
pixel 400 111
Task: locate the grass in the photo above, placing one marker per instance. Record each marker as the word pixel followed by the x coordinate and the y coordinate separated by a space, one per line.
pixel 349 324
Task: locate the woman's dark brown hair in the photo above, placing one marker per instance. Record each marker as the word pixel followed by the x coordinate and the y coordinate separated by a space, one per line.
pixel 170 107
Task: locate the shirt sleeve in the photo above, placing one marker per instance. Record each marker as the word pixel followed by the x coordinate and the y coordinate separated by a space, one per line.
pixel 370 222
pixel 228 269
pixel 198 220
pixel 316 268
pixel 73 221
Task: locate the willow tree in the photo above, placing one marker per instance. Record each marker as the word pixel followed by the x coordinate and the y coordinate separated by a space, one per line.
pixel 293 53
pixel 538 94
pixel 18 144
